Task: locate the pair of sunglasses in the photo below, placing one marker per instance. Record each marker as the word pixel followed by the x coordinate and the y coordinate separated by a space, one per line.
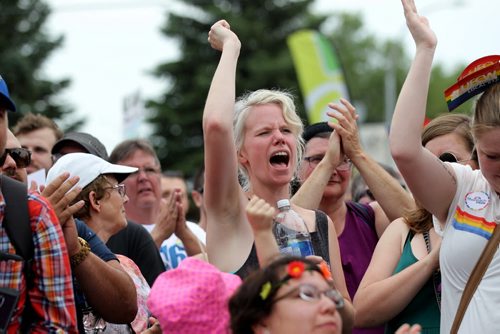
pixel 450 157
pixel 21 156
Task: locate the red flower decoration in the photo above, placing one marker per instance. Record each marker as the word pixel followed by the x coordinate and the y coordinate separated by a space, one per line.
pixel 295 269
pixel 325 271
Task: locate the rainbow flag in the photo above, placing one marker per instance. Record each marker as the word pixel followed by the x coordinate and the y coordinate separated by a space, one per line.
pixel 320 74
pixel 479 75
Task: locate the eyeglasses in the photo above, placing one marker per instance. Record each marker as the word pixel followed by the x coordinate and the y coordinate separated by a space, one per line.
pixel 450 157
pixel 147 170
pixel 122 190
pixel 21 156
pixel 315 159
pixel 310 293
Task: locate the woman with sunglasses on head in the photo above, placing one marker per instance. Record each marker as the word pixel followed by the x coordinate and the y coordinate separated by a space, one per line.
pixel 259 136
pixel 449 137
pixel 465 201
pixel 410 244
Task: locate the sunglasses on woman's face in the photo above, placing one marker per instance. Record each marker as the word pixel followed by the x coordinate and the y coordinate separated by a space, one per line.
pixel 21 156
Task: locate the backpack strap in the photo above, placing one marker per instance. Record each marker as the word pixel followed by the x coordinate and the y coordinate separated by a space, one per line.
pixel 16 220
pixel 17 225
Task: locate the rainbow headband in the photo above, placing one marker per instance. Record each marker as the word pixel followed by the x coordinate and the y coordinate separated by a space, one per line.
pixel 479 75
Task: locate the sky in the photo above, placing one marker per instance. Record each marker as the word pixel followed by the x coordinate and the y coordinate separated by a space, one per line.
pixel 111 46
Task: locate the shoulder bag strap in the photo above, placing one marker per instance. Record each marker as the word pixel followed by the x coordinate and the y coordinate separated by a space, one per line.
pixel 16 220
pixel 436 275
pixel 475 277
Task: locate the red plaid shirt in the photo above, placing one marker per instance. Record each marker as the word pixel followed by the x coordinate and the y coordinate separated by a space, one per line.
pixel 51 292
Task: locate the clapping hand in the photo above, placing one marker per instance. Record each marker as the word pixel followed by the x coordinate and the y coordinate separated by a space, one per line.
pixel 166 221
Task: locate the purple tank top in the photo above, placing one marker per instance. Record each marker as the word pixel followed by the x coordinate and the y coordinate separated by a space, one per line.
pixel 357 243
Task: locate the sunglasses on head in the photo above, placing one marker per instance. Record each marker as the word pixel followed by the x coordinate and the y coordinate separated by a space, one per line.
pixel 450 157
pixel 21 156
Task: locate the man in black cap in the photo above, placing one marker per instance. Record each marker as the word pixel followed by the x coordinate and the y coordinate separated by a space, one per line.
pixel 74 142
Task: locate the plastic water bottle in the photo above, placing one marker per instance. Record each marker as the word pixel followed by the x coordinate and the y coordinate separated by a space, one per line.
pixel 291 231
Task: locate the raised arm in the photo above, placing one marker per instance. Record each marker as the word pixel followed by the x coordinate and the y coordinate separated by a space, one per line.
pixel 393 199
pixel 431 182
pixel 221 165
pixel 228 234
pixel 311 191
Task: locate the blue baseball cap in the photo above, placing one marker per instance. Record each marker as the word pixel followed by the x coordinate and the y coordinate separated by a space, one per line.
pixel 5 97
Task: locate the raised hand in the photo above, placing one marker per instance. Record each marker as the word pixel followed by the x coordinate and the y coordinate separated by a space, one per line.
pixel 419 26
pixel 260 214
pixel 346 126
pixel 166 220
pixel 60 196
pixel 406 329
pixel 180 225
pixel 220 33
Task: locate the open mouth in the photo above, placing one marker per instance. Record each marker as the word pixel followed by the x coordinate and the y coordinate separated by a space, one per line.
pixel 144 190
pixel 280 158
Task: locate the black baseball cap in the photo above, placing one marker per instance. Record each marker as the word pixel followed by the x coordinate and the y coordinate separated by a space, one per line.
pixel 90 143
pixel 312 130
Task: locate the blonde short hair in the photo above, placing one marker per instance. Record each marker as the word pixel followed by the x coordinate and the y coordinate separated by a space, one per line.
pixel 260 97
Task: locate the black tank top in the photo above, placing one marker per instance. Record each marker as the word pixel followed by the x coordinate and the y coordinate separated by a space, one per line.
pixel 319 239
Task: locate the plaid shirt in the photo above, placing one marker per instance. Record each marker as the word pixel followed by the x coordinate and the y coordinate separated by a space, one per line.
pixel 51 293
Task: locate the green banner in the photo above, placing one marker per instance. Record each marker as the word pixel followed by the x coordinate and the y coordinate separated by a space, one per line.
pixel 319 72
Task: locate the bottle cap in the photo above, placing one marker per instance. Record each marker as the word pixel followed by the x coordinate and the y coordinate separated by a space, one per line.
pixel 283 202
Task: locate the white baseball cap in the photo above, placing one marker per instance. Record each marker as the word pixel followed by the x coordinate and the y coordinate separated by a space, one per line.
pixel 88 167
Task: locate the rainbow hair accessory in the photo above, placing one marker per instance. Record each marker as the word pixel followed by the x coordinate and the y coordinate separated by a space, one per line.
pixel 476 78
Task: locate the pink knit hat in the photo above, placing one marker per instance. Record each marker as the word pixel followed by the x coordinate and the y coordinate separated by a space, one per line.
pixel 192 298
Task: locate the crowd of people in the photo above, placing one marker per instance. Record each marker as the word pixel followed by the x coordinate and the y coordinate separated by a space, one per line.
pixel 93 242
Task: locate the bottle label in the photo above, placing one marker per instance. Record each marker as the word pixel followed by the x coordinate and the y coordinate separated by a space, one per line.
pixel 298 248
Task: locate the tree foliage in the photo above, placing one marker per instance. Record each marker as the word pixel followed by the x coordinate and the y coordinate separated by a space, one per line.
pixel 25 46
pixel 365 60
pixel 265 62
